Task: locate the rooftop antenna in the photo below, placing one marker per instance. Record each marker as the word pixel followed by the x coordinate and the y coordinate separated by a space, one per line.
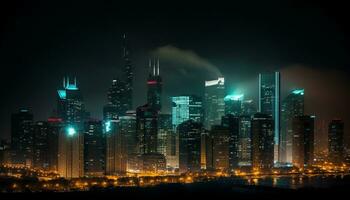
pixel 64 82
pixel 158 67
pixel 154 67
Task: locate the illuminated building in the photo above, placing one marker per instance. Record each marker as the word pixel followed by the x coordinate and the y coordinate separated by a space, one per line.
pixel 248 107
pixel 189 146
pixel 233 104
pixel 147 163
pixel 336 141
pixel 231 123
pixel 303 140
pixel 154 87
pixel 206 150
pixel 269 103
pixel 262 141
pixel 54 128
pixel 22 138
pixel 71 152
pixel 245 142
pixel 70 105
pixel 121 142
pixel 292 106
pixel 5 153
pixel 167 140
pixel 41 145
pixel 94 148
pixel 146 127
pixel 221 138
pixel 128 74
pixel 214 102
pixel 186 107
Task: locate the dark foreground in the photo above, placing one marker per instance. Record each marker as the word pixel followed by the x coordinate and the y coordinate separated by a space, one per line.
pixel 211 190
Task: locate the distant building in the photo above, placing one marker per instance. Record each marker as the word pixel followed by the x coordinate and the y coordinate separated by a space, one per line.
pixel 206 150
pixel 262 142
pixel 214 102
pixel 41 146
pixel 221 138
pixel 292 106
pixel 233 104
pixel 154 87
pixel 22 138
pixel 55 126
pixel 336 148
pixel 146 127
pixel 71 153
pixel 186 107
pixel 94 149
pixel 5 153
pixel 167 140
pixel 189 146
pixel 248 107
pixel 245 141
pixel 303 141
pixel 269 103
pixel 231 123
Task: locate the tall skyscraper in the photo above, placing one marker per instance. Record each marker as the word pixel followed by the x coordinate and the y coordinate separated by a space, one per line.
pixel 189 146
pixel 164 134
pixel 154 87
pixel 303 141
pixel 269 103
pixel 292 106
pixel 248 107
pixel 71 152
pixel 336 141
pixel 231 123
pixel 233 104
pixel 22 137
pixel 55 126
pixel 94 148
pixel 128 73
pixel 70 106
pixel 262 142
pixel 186 107
pixel 214 102
pixel 245 141
pixel 41 145
pixel 221 137
pixel 146 127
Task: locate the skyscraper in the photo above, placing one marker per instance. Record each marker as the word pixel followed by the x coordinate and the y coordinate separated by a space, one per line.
pixel 22 137
pixel 245 141
pixel 189 146
pixel 221 137
pixel 164 134
pixel 128 73
pixel 41 145
pixel 248 107
pixel 233 104
pixel 214 102
pixel 269 103
pixel 146 127
pixel 262 142
pixel 186 107
pixel 231 123
pixel 336 141
pixel 55 126
pixel 70 106
pixel 303 140
pixel 71 152
pixel 292 106
pixel 94 148
pixel 154 87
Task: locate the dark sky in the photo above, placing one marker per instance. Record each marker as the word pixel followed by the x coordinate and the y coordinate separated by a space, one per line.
pixel 41 41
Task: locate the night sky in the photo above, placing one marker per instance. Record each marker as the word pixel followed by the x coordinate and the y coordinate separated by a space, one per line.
pixel 41 42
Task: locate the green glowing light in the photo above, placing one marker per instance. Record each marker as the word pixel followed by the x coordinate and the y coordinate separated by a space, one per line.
pixel 234 97
pixel 298 91
pixel 108 126
pixel 62 94
pixel 71 131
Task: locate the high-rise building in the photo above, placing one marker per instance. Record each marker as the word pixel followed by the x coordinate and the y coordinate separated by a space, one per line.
pixel 231 123
pixel 165 134
pixel 245 141
pixel 128 73
pixel 22 138
pixel 303 140
pixel 189 146
pixel 186 107
pixel 121 142
pixel 146 127
pixel 5 153
pixel 71 152
pixel 55 126
pixel 94 148
pixel 206 150
pixel 262 142
pixel 248 107
pixel 41 145
pixel 70 105
pixel 336 148
pixel 233 104
pixel 269 103
pixel 154 87
pixel 220 136
pixel 118 102
pixel 292 106
pixel 214 102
